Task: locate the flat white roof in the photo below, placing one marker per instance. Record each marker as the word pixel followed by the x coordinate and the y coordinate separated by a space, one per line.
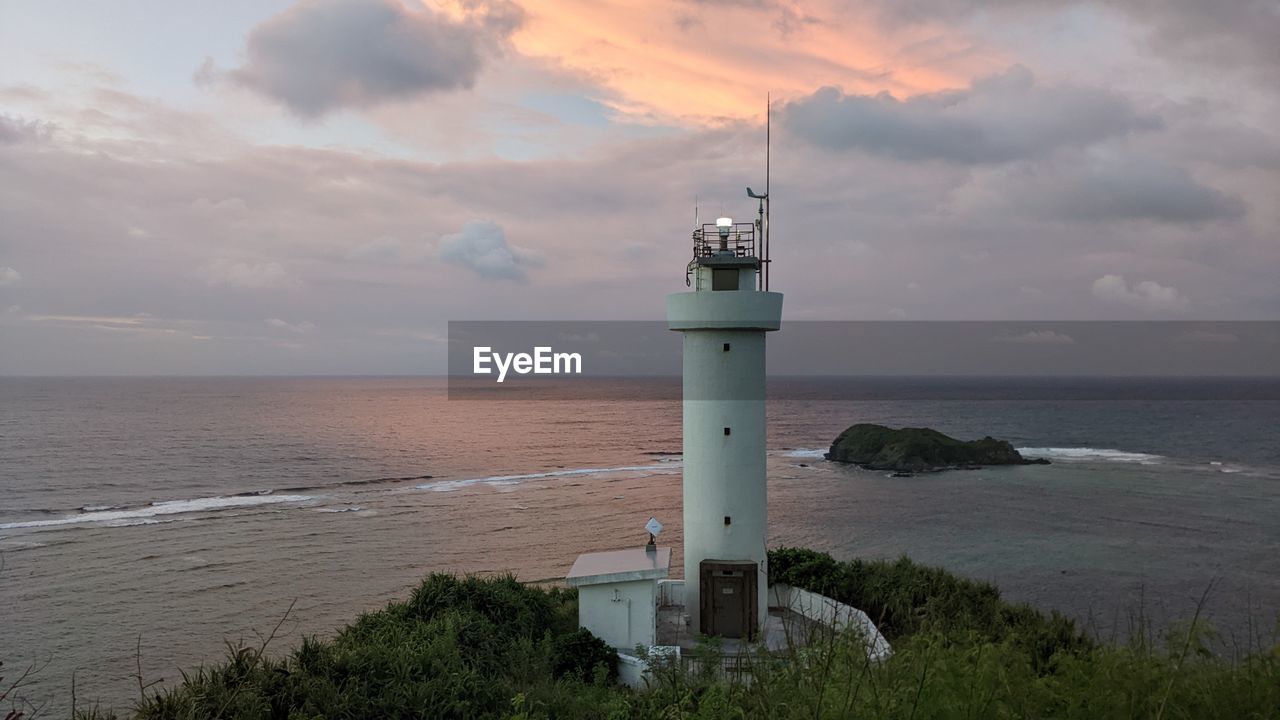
pixel 619 566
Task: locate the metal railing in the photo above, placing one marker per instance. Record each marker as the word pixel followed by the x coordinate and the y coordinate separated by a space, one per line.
pixel 739 240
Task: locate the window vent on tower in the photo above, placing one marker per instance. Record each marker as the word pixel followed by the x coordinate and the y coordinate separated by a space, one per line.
pixel 726 347
pixel 724 278
pixel 726 431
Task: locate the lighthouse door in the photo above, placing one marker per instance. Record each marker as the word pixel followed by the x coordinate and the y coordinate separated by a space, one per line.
pixel 728 598
pixel 728 606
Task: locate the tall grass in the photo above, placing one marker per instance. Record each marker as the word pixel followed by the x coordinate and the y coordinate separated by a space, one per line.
pixel 960 651
pixel 932 675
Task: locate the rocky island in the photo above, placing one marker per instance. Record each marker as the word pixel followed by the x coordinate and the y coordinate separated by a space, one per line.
pixel 913 450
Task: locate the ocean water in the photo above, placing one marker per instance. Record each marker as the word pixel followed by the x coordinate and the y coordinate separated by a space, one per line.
pixel 146 521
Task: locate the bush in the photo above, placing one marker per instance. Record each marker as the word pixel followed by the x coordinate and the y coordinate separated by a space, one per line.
pixel 458 648
pixel 905 598
pixel 579 654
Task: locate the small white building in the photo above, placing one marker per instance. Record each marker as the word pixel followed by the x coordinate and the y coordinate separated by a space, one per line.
pixel 617 593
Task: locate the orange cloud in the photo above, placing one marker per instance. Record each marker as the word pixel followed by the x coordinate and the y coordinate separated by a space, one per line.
pixel 702 62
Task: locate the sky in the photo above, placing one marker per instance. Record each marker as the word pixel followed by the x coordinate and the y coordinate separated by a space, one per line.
pixel 319 186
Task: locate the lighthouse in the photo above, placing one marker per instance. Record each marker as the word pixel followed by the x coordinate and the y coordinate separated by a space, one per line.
pixel 625 596
pixel 723 320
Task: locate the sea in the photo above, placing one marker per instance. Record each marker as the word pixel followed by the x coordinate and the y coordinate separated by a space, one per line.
pixel 145 523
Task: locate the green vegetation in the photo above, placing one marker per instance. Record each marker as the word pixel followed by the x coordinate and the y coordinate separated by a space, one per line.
pixel 919 450
pixel 962 652
pixel 905 599
pixel 457 648
pixel 495 648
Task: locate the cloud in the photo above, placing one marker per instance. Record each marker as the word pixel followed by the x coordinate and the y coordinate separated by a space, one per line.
pixel 322 55
pixel 15 130
pixel 1145 295
pixel 138 324
pixel 1227 34
pixel 1088 189
pixel 1208 336
pixel 482 248
pixel 996 119
pixel 1039 337
pixel 382 249
pixel 246 275
pixel 388 250
pixel 9 277
pixel 301 328
pixel 576 209
pixel 410 334
pixel 126 321
pixel 1140 189
pixel 755 4
pixel 702 63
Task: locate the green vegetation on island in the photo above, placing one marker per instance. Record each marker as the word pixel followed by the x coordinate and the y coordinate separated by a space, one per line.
pixel 912 450
pixel 479 648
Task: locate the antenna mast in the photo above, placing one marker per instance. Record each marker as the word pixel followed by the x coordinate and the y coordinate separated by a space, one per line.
pixel 768 113
pixel 762 222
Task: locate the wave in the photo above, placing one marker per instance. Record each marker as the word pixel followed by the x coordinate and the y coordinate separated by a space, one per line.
pixel 1228 469
pixel 1087 454
pixel 669 468
pixel 805 453
pixel 147 515
pixel 355 483
pixel 16 545
pixel 378 481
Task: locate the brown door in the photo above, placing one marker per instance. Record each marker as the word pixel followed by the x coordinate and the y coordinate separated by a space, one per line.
pixel 728 606
pixel 727 598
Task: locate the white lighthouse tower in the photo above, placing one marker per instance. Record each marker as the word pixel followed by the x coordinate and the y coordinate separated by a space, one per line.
pixel 724 320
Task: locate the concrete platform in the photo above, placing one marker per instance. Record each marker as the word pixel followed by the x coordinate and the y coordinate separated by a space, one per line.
pixel 783 630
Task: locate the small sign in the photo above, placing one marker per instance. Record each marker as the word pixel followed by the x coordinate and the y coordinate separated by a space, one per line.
pixel 653 526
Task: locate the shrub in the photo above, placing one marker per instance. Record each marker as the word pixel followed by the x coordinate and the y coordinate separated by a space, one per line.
pixel 904 598
pixel 458 648
pixel 578 655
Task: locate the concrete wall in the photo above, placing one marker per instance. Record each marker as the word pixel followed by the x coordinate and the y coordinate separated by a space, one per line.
pixel 832 613
pixel 745 309
pixel 633 672
pixel 623 614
